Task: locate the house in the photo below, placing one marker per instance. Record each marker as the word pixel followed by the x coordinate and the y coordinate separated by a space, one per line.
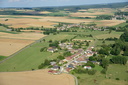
pixel 87 67
pixel 55 68
pixel 53 63
pixel 52 49
pixel 70 66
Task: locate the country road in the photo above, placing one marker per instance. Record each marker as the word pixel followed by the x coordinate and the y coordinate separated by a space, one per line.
pixel 22 49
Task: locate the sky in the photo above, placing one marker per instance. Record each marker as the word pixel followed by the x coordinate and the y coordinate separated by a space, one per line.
pixel 45 3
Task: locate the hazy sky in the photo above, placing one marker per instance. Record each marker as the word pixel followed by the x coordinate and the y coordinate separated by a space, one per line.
pixel 42 3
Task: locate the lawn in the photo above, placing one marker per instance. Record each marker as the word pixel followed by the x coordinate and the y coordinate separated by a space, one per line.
pixel 31 57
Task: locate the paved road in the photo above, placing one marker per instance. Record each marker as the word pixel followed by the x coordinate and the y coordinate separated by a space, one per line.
pixel 22 49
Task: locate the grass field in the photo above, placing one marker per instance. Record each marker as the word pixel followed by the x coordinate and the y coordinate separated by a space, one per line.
pixel 107 35
pixel 31 57
pixel 40 77
pixel 114 71
pixel 2 57
pixel 118 71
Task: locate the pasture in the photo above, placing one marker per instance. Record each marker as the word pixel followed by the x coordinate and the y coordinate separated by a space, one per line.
pixel 40 77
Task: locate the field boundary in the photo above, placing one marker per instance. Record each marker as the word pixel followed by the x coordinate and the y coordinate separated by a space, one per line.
pixel 22 49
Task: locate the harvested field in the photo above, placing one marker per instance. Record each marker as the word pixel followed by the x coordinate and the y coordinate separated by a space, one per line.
pixel 26 22
pixel 10 46
pixel 27 36
pixel 65 19
pixel 77 14
pixel 11 43
pixel 40 77
pixel 110 22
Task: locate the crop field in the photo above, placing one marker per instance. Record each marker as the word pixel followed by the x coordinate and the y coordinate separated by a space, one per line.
pixel 11 43
pixel 49 21
pixel 10 46
pixel 109 22
pixel 26 36
pixel 40 77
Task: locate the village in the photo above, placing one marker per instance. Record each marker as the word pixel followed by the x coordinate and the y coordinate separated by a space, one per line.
pixel 78 58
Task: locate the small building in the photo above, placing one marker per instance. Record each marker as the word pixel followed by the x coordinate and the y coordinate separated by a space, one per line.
pixel 70 66
pixel 87 67
pixel 53 63
pixel 52 49
pixel 55 68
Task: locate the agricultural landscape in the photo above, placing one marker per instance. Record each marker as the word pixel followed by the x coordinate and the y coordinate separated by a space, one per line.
pixel 72 45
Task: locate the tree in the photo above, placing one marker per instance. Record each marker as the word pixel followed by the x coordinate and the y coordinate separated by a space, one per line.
pixel 119 60
pixel 92 58
pixel 104 63
pixel 87 44
pixel 124 36
pixel 89 63
pixel 44 40
pixel 110 31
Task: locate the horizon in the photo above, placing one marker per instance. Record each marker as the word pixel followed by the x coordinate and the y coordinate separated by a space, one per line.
pixel 39 3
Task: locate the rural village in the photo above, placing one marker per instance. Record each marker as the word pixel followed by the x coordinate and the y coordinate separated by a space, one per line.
pixel 64 45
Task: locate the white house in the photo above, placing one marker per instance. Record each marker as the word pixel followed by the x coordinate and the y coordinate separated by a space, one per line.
pixel 87 67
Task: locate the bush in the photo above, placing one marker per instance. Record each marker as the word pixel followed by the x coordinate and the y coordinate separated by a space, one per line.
pixel 104 71
pixel 78 77
pixel 117 79
pixel 91 72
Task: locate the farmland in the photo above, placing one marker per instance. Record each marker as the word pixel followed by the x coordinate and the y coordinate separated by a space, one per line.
pixel 32 54
pixel 52 19
pixel 11 43
pixel 63 40
pixel 40 77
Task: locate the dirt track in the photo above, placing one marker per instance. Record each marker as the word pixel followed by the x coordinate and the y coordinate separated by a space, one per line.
pixel 41 77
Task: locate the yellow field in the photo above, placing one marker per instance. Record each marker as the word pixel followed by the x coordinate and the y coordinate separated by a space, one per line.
pixel 26 22
pixel 110 22
pixel 49 21
pixel 45 12
pixel 11 43
pixel 10 46
pixel 28 36
pixel 40 77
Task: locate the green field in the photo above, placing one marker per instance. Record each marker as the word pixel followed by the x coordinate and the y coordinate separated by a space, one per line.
pixel 101 79
pixel 107 35
pixel 121 25
pixel 2 28
pixel 2 57
pixel 118 71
